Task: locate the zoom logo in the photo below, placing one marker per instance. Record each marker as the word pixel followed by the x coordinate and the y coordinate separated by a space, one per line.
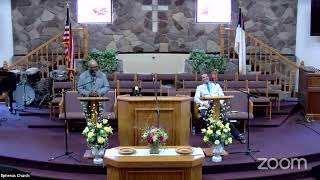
pixel 284 163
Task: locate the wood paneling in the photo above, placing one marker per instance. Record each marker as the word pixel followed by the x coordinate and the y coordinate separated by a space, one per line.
pixel 186 167
pixel 145 116
pixel 309 93
pixel 137 113
pixel 314 81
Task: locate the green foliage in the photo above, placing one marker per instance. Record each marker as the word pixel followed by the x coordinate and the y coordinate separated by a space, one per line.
pixel 202 62
pixel 107 59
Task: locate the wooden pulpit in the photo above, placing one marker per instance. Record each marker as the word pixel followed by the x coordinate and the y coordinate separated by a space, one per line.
pixel 155 167
pixel 216 103
pixel 136 113
pixel 93 106
pixel 309 92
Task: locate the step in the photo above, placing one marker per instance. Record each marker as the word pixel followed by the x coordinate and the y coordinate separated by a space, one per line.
pixel 265 174
pixel 47 174
pixel 52 166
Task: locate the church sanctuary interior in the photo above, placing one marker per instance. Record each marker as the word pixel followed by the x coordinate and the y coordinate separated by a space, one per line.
pixel 159 89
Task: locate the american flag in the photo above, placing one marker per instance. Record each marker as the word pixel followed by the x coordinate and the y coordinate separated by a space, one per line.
pixel 68 43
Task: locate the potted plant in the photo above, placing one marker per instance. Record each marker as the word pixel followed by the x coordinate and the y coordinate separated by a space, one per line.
pixel 155 137
pixel 200 61
pixel 217 134
pixel 97 135
pixel 107 59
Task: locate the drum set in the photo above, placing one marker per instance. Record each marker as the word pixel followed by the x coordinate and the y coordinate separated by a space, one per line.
pixel 30 87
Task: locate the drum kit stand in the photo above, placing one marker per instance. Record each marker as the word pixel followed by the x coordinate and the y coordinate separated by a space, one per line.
pixel 24 94
pixel 28 84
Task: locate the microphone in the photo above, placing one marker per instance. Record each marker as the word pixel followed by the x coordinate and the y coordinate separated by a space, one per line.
pixel 157 102
pixel 82 85
pixel 136 91
pixel 93 79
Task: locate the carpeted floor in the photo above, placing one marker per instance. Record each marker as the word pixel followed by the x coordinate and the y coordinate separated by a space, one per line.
pixel 293 138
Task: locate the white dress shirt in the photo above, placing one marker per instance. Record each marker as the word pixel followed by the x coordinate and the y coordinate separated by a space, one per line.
pixel 210 89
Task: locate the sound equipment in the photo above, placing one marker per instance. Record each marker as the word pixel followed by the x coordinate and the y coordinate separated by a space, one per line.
pixel 24 94
pixel 32 75
pixel 8 82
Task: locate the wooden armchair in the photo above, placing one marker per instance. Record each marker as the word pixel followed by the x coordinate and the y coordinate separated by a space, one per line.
pixel 57 88
pixel 260 88
pixel 74 110
pixel 145 77
pixel 238 107
pixel 125 87
pixel 72 107
pixel 275 92
pixel 167 79
pixel 184 77
pixel 147 87
pixel 235 85
pixel 126 77
pixel 110 107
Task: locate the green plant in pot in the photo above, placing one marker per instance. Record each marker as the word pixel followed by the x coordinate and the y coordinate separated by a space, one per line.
pixel 107 59
pixel 201 61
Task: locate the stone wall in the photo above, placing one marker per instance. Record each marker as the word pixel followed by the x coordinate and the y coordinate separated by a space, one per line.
pixel 35 21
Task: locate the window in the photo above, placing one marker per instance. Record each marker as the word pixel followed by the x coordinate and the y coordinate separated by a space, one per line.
pixel 213 11
pixel 95 11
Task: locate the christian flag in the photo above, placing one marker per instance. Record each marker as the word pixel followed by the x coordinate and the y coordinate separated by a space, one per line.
pixel 240 44
pixel 68 43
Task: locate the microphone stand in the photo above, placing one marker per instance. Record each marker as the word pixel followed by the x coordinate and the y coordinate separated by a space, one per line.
pixel 66 132
pixel 248 151
pixel 157 102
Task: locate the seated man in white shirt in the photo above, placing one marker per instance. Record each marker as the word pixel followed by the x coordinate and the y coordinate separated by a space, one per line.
pixel 209 88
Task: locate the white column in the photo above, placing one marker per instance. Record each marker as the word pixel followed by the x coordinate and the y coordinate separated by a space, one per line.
pixel 307 47
pixel 6 35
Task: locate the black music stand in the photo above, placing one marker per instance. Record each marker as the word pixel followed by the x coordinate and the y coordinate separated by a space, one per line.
pixel 66 132
pixel 157 101
pixel 248 151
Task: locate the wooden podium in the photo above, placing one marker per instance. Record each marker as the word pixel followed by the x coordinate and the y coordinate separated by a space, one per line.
pixel 131 167
pixel 135 113
pixel 216 103
pixel 93 106
pixel 309 92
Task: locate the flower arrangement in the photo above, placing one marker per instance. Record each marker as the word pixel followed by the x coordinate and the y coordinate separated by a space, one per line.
pixel 155 136
pixel 97 134
pixel 217 130
pixel 217 133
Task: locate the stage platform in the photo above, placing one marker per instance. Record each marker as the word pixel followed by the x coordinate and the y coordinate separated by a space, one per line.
pixel 29 149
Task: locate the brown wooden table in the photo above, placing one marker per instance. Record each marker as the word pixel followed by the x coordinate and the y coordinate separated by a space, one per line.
pixel 155 167
pixel 135 113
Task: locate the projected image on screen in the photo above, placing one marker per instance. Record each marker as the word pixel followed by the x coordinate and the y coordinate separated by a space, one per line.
pixel 95 11
pixel 213 11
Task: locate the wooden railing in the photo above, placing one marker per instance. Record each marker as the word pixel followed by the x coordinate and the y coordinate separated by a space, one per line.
pixel 51 53
pixel 261 57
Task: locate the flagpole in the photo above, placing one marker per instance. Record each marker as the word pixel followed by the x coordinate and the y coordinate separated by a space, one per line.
pixel 70 72
pixel 69 58
pixel 240 46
